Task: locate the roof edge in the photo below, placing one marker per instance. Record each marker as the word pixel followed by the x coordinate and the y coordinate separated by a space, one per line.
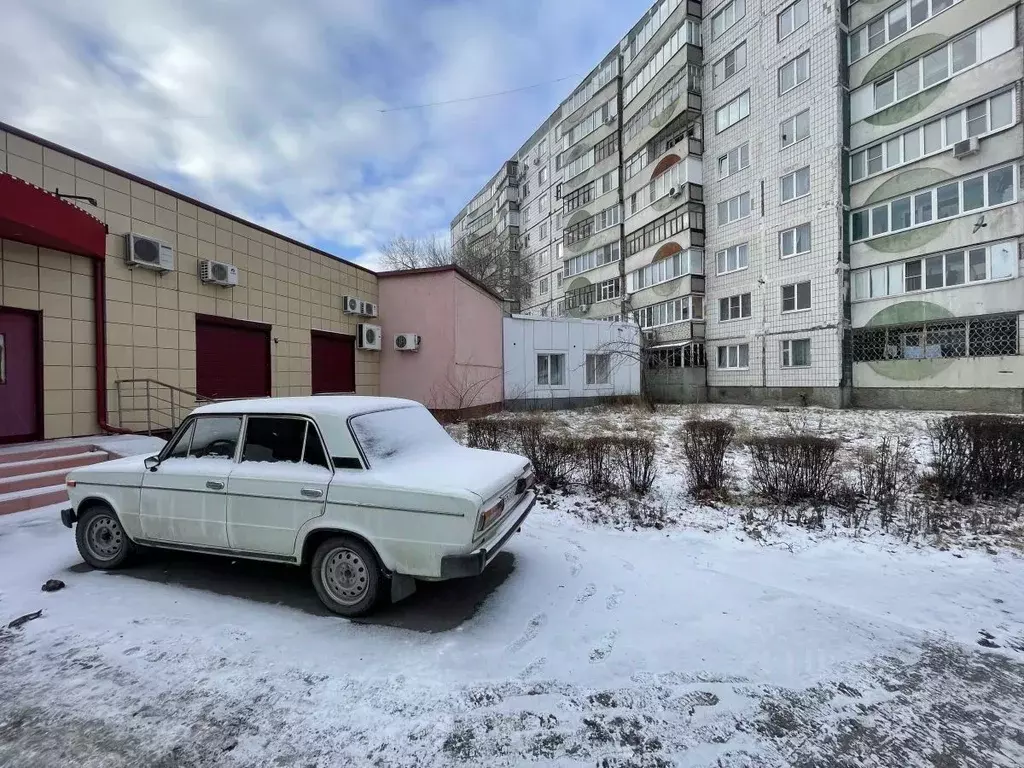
pixel 443 268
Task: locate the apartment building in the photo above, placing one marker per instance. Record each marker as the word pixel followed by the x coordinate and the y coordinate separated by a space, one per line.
pixel 757 184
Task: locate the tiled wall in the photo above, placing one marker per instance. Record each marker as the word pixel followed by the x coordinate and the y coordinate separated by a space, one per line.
pixel 151 316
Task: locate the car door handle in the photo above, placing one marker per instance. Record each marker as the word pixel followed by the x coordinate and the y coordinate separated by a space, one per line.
pixel 312 493
pixel 215 485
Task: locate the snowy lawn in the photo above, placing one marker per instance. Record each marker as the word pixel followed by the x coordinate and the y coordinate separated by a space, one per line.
pixel 602 647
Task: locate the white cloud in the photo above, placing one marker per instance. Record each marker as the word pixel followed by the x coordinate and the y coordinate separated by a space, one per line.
pixel 271 110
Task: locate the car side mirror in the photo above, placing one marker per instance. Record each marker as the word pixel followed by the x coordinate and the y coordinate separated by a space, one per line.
pixel 152 463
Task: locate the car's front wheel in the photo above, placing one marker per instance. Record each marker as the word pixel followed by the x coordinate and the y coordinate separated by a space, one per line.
pixel 101 540
pixel 346 576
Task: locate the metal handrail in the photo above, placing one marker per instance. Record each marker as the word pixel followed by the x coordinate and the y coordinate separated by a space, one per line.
pixel 153 392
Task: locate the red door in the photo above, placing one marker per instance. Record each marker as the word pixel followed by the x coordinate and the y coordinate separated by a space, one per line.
pixel 21 400
pixel 232 358
pixel 334 362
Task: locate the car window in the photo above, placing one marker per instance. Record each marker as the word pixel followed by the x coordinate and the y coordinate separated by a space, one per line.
pixel 180 448
pixel 269 438
pixel 399 433
pixel 314 454
pixel 215 437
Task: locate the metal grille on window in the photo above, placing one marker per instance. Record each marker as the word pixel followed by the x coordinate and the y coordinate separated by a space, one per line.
pixel 975 337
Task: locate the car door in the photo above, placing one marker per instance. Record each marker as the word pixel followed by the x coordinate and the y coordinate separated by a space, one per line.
pixel 278 484
pixel 184 500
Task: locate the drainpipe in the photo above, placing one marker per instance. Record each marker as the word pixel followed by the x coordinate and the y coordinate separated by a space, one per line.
pixel 99 300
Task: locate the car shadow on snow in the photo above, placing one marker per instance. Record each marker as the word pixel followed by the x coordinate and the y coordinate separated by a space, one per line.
pixel 435 606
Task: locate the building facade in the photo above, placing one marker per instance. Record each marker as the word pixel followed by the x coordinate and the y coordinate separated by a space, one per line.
pixel 741 179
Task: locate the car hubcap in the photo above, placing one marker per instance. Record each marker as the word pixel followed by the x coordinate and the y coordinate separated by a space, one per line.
pixel 104 537
pixel 345 576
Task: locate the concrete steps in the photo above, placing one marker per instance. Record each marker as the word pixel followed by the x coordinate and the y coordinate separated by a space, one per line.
pixel 34 477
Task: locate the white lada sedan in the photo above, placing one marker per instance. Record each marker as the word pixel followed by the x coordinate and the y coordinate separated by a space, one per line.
pixel 370 493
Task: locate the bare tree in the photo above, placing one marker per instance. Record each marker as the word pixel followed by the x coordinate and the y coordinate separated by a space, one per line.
pixel 496 263
pixel 462 387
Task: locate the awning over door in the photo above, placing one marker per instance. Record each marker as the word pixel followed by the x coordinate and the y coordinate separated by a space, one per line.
pixel 34 216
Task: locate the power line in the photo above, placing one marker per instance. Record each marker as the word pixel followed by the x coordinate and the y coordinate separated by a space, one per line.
pixel 475 98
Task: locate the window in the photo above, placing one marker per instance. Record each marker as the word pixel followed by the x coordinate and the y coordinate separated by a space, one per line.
pixel 792 18
pixel 796 128
pixel 734 307
pixel 668 312
pixel 734 356
pixel 795 72
pixel 689 262
pixel 542 175
pixel 727 66
pixel 732 259
pixel 658 16
pixel 796 297
pixel 726 17
pixel 543 287
pixel 796 184
pixel 887 26
pixel 989 336
pixel 687 32
pixel 211 437
pixel 795 241
pixel 943 270
pixel 736 110
pixel 688 79
pixel 551 370
pixel 605 148
pixel 734 160
pixel 609 217
pixel 734 209
pixel 278 439
pixel 559 278
pixel 578 198
pixel 985 190
pixel 598 369
pixel 796 353
pixel 584 262
pixel 680 356
pixel 669 225
pixel 885 92
pixel 637 162
pixel 397 433
pixel 608 289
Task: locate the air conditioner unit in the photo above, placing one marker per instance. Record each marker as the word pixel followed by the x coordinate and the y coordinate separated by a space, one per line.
pixel 536 161
pixel 583 308
pixel 369 336
pixel 369 309
pixel 217 272
pixel 407 342
pixel 966 148
pixel 141 251
pixel 350 305
pixel 675 192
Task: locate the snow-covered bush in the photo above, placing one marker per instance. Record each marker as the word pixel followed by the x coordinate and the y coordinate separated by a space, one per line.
pixel 704 445
pixel 794 468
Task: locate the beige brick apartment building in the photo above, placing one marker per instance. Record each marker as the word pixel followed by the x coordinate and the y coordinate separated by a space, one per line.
pixel 82 331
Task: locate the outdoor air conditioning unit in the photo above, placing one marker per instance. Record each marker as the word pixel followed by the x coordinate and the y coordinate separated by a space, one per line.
pixel 217 273
pixel 407 342
pixel 350 305
pixel 675 192
pixel 369 309
pixel 369 336
pixel 966 148
pixel 141 251
pixel 583 308
pixel 536 161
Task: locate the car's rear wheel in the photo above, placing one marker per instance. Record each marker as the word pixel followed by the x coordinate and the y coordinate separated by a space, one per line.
pixel 346 576
pixel 101 540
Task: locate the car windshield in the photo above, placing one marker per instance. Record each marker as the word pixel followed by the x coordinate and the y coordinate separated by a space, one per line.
pixel 398 433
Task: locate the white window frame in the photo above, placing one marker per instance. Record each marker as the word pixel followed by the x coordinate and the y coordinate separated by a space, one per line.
pixel 796 297
pixel 789 129
pixel 720 72
pixel 688 262
pixel 893 150
pixel 858 38
pixel 592 362
pixel 727 17
pixel 547 357
pixel 788 349
pixel 735 351
pixel 672 312
pixel 740 199
pixel 738 250
pixel 801 69
pixel 732 113
pixel 607 290
pixel 740 154
pixel 688 31
pixel 914 196
pixel 794 179
pixel 793 13
pixel 594 259
pixel 794 233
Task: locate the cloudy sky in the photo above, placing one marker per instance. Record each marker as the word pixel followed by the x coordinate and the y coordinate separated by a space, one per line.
pixel 271 110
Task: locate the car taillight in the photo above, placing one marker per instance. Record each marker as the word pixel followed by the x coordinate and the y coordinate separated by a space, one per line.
pixel 70 483
pixel 489 515
pixel 524 484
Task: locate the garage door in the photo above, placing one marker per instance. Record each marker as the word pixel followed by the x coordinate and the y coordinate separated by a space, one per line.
pixel 334 362
pixel 232 358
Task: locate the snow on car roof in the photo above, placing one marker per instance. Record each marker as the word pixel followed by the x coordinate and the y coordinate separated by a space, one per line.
pixel 335 406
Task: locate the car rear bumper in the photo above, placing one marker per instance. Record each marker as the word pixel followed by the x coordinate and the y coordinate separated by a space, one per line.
pixel 473 564
pixel 69 517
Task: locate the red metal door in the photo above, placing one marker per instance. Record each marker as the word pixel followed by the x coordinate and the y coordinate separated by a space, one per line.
pixel 334 362
pixel 232 358
pixel 21 400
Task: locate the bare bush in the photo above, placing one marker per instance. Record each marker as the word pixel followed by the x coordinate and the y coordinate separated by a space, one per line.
pixel 596 464
pixel 886 475
pixel 704 445
pixel 529 432
pixel 634 458
pixel 953 454
pixel 484 433
pixel 794 468
pixel 977 455
pixel 556 460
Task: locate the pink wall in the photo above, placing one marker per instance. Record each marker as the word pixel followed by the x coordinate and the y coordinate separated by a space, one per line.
pixel 459 362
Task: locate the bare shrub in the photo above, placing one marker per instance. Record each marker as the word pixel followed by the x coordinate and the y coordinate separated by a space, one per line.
pixel 484 433
pixel 886 475
pixel 952 449
pixel 977 455
pixel 556 459
pixel 596 463
pixel 634 458
pixel 643 514
pixel 794 468
pixel 526 434
pixel 704 445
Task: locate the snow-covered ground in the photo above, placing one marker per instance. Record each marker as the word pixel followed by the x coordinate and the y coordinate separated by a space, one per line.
pixel 604 647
